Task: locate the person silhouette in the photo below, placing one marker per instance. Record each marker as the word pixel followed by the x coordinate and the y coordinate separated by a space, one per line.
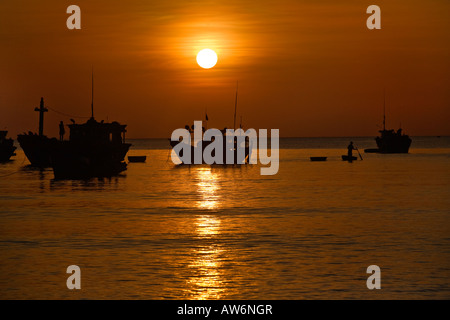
pixel 61 131
pixel 350 149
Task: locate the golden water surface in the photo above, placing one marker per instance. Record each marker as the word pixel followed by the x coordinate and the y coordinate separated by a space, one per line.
pixel 202 232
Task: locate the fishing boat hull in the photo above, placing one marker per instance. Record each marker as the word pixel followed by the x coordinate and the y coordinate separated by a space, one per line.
pixel 391 142
pixel 193 151
pixel 6 154
pixel 77 161
pixel 37 149
pixel 7 147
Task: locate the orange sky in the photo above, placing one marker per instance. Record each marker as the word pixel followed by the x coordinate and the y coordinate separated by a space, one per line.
pixel 308 68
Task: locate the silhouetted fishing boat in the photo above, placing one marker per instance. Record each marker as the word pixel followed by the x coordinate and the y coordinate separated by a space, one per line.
pixel 94 149
pixel 232 141
pixel 137 158
pixel 227 139
pixel 7 147
pixel 391 141
pixel 372 150
pixel 37 146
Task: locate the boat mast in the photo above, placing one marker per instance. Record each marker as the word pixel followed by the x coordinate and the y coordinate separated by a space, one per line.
pixel 384 111
pixel 235 106
pixel 41 111
pixel 92 101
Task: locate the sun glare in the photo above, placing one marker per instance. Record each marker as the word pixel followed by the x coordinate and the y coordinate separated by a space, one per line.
pixel 207 58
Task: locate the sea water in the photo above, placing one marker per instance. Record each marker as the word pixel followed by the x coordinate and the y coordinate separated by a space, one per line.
pixel 160 231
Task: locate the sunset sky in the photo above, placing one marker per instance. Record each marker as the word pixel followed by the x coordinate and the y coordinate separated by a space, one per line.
pixel 308 68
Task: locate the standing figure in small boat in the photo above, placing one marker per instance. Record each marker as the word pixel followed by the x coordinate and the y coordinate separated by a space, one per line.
pixel 61 131
pixel 350 149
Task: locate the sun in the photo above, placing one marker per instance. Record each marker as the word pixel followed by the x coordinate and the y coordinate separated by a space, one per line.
pixel 207 58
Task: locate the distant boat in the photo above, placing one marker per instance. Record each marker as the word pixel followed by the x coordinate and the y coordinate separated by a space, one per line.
pixel 37 146
pixel 347 158
pixel 137 158
pixel 7 147
pixel 318 158
pixel 373 150
pixel 391 141
pixel 205 143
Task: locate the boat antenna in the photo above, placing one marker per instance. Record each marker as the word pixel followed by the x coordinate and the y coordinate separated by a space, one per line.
pixel 235 105
pixel 92 101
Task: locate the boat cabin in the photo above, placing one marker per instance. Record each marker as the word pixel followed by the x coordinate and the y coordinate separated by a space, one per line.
pixel 97 132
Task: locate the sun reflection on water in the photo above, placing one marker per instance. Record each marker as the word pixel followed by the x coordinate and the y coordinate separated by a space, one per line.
pixel 208 185
pixel 206 280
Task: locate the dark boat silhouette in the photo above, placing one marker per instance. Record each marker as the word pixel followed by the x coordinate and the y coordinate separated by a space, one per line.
pixel 390 141
pixel 37 147
pixel 318 158
pixel 247 148
pixel 347 158
pixel 137 158
pixel 205 143
pixel 393 142
pixel 372 150
pixel 7 147
pixel 94 149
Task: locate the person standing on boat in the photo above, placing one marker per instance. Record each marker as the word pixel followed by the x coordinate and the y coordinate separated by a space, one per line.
pixel 61 131
pixel 350 149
